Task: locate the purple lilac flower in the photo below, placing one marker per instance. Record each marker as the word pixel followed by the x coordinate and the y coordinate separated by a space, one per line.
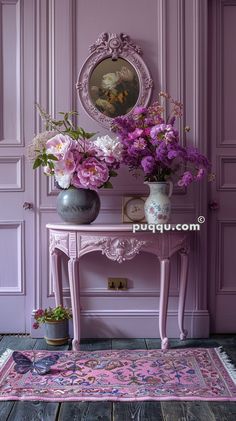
pixel 172 120
pixel 139 143
pixel 186 179
pixel 140 110
pixel 161 151
pixel 135 134
pixel 173 153
pixel 147 164
pixel 153 145
pixel 200 174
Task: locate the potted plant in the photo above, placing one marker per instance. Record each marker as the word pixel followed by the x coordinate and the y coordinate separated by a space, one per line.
pixel 56 324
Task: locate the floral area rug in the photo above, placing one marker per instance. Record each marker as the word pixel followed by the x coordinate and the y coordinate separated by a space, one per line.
pixel 126 375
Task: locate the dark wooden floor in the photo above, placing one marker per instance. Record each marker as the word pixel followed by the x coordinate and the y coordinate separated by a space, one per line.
pixel 119 411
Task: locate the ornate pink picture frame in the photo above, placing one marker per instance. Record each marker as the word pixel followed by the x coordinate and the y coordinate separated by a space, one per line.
pixel 114 78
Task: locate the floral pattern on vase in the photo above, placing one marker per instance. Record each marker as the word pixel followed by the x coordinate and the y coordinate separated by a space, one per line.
pixel 157 207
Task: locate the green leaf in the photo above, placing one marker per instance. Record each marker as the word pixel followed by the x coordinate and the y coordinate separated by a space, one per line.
pixel 89 135
pixel 113 173
pixel 108 185
pixel 37 163
pixel 51 165
pixel 52 157
pixel 58 122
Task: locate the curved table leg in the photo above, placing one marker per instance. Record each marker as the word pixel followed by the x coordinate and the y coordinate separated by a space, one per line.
pixel 164 293
pixel 56 275
pixel 73 271
pixel 182 294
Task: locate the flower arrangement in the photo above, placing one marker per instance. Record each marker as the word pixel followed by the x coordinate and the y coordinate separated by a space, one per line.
pixel 117 92
pixel 151 143
pixel 73 155
pixel 51 315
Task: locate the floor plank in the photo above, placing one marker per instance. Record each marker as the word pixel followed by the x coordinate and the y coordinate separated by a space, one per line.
pixel 186 411
pixel 86 411
pixel 153 343
pixel 34 411
pixel 231 352
pixel 224 340
pixel 223 411
pixel 16 342
pixel 5 409
pixel 41 344
pixel 137 411
pixel 95 344
pixel 177 343
pixel 129 344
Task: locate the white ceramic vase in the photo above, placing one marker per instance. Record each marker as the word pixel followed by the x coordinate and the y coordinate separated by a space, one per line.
pixel 158 206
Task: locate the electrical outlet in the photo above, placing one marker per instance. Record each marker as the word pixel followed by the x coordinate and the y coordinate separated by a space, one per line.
pixel 117 284
pixel 111 283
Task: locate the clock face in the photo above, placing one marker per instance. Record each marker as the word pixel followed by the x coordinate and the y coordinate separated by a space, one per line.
pixel 134 209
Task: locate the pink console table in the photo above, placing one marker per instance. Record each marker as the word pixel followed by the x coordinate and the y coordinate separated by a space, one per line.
pixel 117 242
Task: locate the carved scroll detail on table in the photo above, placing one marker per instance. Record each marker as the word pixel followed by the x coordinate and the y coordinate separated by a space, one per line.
pixel 114 248
pixel 59 241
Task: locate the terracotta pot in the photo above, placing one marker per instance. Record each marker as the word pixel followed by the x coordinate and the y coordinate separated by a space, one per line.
pixel 56 332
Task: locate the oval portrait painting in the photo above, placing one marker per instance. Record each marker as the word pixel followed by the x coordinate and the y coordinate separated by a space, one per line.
pixel 114 87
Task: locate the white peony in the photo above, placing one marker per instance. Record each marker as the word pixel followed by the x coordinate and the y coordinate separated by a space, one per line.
pixel 110 80
pixel 107 108
pixel 109 146
pixel 126 74
pixel 63 179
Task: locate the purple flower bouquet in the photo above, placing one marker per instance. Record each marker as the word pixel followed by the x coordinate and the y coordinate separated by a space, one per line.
pixel 152 144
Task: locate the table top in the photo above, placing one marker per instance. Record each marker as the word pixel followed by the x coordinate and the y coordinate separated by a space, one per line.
pixel 113 228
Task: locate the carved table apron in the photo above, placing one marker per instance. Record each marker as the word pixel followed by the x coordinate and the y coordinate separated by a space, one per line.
pixel 117 242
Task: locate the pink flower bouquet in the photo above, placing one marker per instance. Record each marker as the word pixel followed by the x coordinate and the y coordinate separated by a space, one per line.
pixel 75 157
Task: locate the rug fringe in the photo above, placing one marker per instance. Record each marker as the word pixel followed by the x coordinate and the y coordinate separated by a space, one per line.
pixel 230 367
pixel 5 356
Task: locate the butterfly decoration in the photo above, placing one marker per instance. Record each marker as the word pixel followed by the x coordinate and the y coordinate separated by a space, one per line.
pixel 25 364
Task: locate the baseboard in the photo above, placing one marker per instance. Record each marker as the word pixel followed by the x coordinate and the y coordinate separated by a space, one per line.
pixel 137 324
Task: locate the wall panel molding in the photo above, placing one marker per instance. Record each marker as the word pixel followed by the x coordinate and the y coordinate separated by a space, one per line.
pixel 17 287
pixel 221 288
pixel 226 181
pixel 11 82
pixel 220 62
pixel 162 25
pixel 10 166
pixel 200 72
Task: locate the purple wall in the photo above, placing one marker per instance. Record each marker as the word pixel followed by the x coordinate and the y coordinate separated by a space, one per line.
pixel 48 43
pixel 167 39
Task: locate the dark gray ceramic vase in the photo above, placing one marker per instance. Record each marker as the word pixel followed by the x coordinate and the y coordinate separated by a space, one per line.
pixel 78 206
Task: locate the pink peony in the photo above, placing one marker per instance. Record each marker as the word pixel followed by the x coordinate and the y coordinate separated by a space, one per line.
pixel 59 145
pixel 90 174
